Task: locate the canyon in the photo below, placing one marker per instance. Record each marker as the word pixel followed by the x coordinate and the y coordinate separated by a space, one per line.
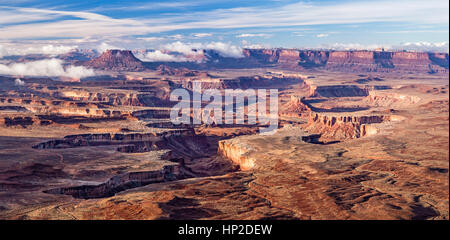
pixel 361 135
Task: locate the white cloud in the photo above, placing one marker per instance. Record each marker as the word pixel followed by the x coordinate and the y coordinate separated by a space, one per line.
pixel 255 46
pixel 425 46
pixel 151 5
pixel 322 35
pixel 354 46
pixel 225 49
pixel 185 48
pixel 158 56
pixel 183 52
pixel 3 51
pixel 248 45
pixel 48 67
pixel 202 35
pixel 55 50
pixel 85 24
pixel 188 49
pixel 105 46
pixel 177 36
pixel 247 35
pixel 409 46
pixel 19 82
pixel 151 39
pixel 49 49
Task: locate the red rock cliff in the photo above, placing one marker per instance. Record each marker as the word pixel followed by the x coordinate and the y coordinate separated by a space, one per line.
pixel 118 60
pixel 352 61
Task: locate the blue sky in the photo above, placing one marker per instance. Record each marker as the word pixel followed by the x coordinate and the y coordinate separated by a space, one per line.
pixel 251 23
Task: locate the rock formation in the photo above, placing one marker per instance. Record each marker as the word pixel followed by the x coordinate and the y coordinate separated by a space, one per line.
pixel 295 107
pixel 237 153
pixel 120 183
pixel 339 91
pixel 342 127
pixel 116 60
pixel 353 61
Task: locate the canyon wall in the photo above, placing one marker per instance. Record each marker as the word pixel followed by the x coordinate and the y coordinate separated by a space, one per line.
pixel 121 182
pixel 342 127
pixel 236 152
pixel 83 140
pixel 358 61
pixel 338 91
pixel 248 82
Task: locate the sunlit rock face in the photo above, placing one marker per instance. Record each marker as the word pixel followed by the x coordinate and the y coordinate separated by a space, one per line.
pixel 116 60
pixel 353 61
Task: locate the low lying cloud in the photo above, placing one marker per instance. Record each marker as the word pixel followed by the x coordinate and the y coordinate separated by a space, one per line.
pixel 188 49
pixel 353 46
pixel 48 68
pixel 2 51
pixel 225 49
pixel 158 56
pixel 256 46
pixel 19 82
pixel 105 46
pixel 189 52
pixel 409 46
pixel 425 46
pixel 248 45
pixel 51 50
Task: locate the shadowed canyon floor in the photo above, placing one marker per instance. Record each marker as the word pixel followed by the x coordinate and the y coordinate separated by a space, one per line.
pixel 349 146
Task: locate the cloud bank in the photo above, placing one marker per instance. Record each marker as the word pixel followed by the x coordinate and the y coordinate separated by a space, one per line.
pixel 184 52
pixel 425 46
pixel 105 46
pixel 409 46
pixel 225 49
pixel 48 68
pixel 158 56
pixel 51 50
pixel 19 82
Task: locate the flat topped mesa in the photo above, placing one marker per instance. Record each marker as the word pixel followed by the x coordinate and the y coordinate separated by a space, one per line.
pixel 352 60
pixel 118 60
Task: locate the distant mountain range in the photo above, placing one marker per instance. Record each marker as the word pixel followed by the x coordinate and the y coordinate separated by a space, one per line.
pixel 290 59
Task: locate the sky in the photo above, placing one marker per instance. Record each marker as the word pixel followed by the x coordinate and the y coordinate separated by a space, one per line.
pixel 32 26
